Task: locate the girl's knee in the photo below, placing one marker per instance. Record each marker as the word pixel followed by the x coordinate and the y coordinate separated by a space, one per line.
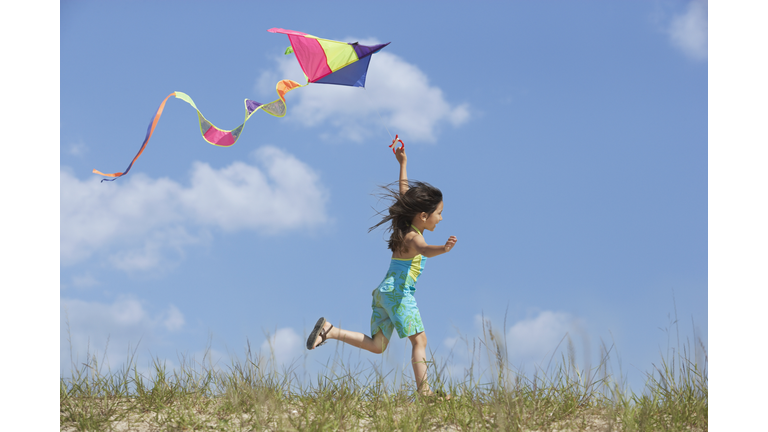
pixel 419 339
pixel 379 347
pixel 380 343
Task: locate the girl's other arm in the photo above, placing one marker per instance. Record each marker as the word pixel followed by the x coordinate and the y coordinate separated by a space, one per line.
pixel 402 160
pixel 417 243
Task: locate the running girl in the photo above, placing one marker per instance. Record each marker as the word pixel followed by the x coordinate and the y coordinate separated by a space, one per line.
pixel 417 207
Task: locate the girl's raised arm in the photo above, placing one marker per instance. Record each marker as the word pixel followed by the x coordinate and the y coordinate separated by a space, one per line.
pixel 402 160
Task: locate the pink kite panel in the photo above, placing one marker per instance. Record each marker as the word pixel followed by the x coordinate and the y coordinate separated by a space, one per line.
pixel 219 137
pixel 311 57
pixel 286 32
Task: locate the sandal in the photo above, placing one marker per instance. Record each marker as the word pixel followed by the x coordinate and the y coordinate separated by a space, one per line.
pixel 318 331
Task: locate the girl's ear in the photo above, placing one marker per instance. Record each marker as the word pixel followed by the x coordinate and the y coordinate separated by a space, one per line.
pixel 424 216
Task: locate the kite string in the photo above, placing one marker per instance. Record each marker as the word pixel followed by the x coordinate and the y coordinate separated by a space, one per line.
pixel 380 117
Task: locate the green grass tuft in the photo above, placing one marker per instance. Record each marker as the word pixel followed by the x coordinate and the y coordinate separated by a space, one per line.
pixel 253 394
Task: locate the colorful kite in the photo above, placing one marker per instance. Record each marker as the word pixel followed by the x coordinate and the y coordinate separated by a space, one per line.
pixel 330 62
pixel 323 61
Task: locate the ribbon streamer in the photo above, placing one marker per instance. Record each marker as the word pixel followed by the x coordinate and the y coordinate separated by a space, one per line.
pixel 211 133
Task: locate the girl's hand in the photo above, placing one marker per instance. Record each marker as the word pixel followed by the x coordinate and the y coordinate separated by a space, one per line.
pixel 450 243
pixel 400 155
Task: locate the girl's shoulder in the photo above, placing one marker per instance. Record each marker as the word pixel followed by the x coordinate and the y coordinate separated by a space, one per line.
pixel 411 234
pixel 409 237
pixel 409 252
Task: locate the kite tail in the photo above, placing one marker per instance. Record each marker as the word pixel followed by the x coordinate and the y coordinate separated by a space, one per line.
pixel 150 129
pixel 212 134
pixel 225 138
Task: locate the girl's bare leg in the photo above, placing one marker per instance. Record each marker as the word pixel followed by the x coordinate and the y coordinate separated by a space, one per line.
pixel 376 345
pixel 419 360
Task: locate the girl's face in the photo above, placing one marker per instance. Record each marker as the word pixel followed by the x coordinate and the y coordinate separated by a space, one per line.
pixel 434 218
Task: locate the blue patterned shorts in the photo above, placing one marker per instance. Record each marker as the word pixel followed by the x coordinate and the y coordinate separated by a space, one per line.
pixel 395 310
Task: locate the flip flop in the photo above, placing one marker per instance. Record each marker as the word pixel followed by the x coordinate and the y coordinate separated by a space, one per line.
pixel 318 331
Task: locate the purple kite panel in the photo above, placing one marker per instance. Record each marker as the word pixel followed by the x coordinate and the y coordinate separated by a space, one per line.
pixel 251 105
pixel 364 50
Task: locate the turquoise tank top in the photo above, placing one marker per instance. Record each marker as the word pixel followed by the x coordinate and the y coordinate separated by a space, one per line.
pixel 403 274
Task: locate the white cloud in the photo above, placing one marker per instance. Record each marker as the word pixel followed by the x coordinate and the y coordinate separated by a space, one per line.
pixel 450 342
pixel 285 344
pixel 174 319
pixel 286 196
pixel 539 336
pixel 153 252
pixel 94 216
pixel 140 219
pixel 109 330
pixel 397 96
pixel 528 344
pixel 533 338
pixel 84 281
pixel 688 32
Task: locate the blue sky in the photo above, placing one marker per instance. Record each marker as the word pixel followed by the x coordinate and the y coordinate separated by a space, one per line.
pixel 570 144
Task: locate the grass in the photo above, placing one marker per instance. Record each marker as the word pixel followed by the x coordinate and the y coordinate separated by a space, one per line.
pixel 253 394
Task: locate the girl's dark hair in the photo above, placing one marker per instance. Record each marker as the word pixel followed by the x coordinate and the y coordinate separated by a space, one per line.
pixel 420 197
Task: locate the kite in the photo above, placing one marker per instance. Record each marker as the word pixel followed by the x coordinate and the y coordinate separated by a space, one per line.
pixel 323 61
pixel 330 62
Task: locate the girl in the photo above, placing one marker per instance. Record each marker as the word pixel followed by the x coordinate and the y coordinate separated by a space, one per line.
pixel 414 210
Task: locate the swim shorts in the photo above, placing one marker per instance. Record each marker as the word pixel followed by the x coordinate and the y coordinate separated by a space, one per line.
pixel 392 310
pixel 393 304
